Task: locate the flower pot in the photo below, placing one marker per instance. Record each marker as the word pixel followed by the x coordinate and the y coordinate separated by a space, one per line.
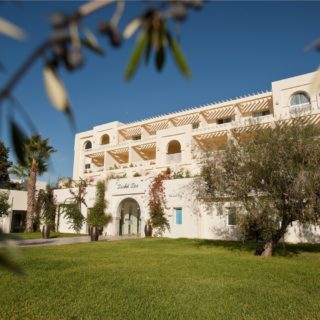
pixel 46 232
pixel 94 233
pixel 148 230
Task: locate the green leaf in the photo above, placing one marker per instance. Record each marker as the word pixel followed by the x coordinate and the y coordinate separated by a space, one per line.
pixel 96 49
pixel 136 55
pixel 55 89
pixel 149 44
pixel 18 139
pixel 160 53
pixel 178 56
pixel 71 120
pixel 91 42
pixel 6 262
pixel 131 28
pixel 11 30
pixel 160 57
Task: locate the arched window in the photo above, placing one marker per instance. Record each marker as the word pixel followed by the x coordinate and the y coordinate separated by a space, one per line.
pixel 105 139
pixel 174 147
pixel 299 99
pixel 87 145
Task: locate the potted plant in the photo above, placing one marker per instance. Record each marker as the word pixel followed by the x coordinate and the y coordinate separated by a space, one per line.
pixel 148 229
pixel 46 205
pixel 97 218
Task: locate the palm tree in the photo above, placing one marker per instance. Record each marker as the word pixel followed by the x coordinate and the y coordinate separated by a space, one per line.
pixel 19 171
pixel 37 153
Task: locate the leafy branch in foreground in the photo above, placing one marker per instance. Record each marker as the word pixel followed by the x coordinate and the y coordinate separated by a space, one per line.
pixel 63 48
pixel 155 36
pixel 6 259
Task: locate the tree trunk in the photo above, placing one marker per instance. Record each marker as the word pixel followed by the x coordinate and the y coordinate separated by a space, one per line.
pixel 94 233
pixel 271 245
pixel 58 219
pixel 31 196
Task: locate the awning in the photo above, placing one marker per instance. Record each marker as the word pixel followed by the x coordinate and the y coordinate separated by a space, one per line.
pixel 219 113
pixel 258 126
pixel 153 127
pixel 187 119
pixel 210 135
pixel 131 132
pixel 309 119
pixel 97 158
pixel 256 105
pixel 146 151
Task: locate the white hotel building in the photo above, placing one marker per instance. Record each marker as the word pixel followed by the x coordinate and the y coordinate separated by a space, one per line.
pixel 130 155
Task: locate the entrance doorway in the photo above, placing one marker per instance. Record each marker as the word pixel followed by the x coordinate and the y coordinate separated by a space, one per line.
pixel 130 220
pixel 18 223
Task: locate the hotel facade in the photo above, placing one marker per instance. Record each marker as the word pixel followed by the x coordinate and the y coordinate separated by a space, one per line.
pixel 129 156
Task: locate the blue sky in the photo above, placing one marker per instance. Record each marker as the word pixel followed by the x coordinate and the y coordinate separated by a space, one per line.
pixel 233 48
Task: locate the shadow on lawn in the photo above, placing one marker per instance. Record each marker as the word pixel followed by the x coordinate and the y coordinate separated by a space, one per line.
pixel 283 249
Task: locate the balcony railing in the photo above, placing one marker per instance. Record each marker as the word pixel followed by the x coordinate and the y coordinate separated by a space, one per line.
pixel 173 158
pixel 300 108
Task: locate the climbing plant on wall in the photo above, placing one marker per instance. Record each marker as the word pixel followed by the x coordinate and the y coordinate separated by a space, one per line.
pixel 157 204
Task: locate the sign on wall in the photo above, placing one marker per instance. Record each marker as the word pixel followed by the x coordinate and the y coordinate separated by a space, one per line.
pixel 127 186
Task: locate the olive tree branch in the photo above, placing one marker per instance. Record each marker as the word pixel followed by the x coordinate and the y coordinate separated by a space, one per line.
pixel 82 12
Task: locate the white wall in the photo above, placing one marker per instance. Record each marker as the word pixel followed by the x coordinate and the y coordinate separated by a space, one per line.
pixel 198 220
pixel 17 201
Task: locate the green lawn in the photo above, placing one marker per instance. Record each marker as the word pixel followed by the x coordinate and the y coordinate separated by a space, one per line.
pixel 38 235
pixel 162 279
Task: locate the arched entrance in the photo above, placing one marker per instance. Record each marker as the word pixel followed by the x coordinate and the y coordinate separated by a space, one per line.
pixel 130 217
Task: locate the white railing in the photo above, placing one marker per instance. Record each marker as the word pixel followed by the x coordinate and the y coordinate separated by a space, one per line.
pixel 214 127
pixel 249 121
pixel 173 158
pixel 300 108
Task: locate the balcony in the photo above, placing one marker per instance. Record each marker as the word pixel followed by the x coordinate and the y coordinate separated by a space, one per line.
pixel 173 158
pixel 301 108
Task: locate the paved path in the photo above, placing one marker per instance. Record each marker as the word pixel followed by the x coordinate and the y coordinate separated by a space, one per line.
pixel 62 241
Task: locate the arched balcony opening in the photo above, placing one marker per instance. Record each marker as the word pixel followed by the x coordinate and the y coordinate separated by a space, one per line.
pixel 174 152
pixel 105 139
pixel 87 145
pixel 300 99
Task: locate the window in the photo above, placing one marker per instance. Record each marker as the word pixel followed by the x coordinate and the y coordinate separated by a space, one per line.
pixel 232 216
pixel 195 125
pixel 87 166
pixel 87 145
pixel 174 147
pixel 225 120
pixel 105 139
pixel 261 113
pixel 174 152
pixel 178 215
pixel 299 99
pixel 136 137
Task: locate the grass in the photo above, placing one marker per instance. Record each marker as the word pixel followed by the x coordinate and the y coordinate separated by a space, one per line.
pixel 38 235
pixel 162 279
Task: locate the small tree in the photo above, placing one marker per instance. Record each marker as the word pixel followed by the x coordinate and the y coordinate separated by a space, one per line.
pixel 72 209
pixel 97 217
pixel 5 165
pixel 46 207
pixel 4 204
pixel 157 205
pixel 274 174
pixel 37 152
pixel 19 171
